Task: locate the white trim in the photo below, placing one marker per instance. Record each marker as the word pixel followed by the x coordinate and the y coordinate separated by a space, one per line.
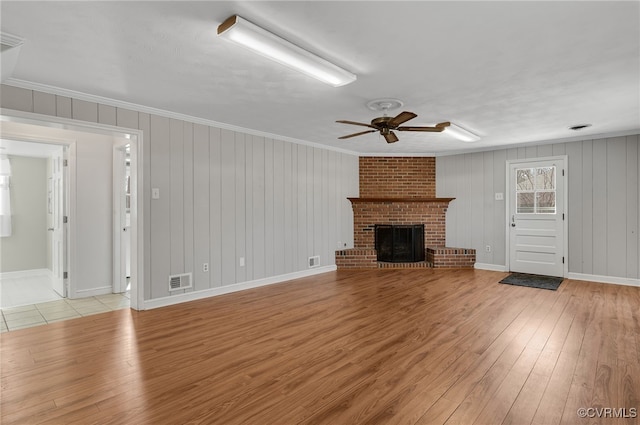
pixel 164 113
pixel 212 292
pixel 604 279
pixel 84 293
pixel 507 200
pixel 492 267
pixel 25 273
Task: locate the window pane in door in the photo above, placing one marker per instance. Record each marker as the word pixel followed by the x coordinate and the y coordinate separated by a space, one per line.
pixel 525 203
pixel 546 178
pixel 546 202
pixel 525 179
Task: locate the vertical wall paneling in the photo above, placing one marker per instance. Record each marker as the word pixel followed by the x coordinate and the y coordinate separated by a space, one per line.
pixel 278 207
pixel 633 212
pixel 288 224
pixel 160 208
pixel 44 103
pixel 574 210
pixel 317 205
pixel 107 114
pixel 303 233
pixel 126 118
pixel 587 206
pixel 176 195
pixel 144 124
pixel 228 205
pixel 188 198
pixel 616 204
pixel 217 242
pixel 544 151
pixel 201 188
pixel 84 111
pixel 600 194
pixel 269 231
pixel 240 208
pixel 310 195
pixel 490 209
pixel 17 98
pixel 499 216
pixel 258 190
pixel 476 198
pixel 249 210
pixel 63 107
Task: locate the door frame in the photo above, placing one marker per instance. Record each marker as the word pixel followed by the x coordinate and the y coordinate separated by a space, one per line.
pixel 565 200
pixel 119 200
pixel 137 183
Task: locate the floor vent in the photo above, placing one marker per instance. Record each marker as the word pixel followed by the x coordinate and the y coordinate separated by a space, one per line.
pixel 180 281
pixel 314 261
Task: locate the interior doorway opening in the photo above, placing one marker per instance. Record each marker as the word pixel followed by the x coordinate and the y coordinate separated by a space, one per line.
pixel 87 144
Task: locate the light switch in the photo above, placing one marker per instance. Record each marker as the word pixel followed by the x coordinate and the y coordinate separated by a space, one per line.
pixel 155 193
pixel 499 196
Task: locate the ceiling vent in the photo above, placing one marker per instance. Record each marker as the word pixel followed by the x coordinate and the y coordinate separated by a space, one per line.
pixel 9 51
pixel 180 281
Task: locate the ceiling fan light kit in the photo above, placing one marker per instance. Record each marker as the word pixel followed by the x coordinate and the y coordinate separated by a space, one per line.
pixel 269 45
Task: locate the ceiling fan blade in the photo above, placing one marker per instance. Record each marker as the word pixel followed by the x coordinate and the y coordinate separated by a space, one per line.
pixel 356 123
pixel 390 137
pixel 430 129
pixel 402 117
pixel 357 134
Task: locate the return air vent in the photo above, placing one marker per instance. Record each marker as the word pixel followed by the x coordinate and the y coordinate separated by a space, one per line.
pixel 314 261
pixel 180 281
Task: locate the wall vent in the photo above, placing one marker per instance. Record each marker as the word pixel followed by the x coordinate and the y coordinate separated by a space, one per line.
pixel 180 281
pixel 314 261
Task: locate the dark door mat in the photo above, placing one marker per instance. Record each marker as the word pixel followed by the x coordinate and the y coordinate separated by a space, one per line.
pixel 533 281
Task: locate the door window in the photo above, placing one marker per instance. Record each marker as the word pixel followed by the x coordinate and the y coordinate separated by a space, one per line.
pixel 536 190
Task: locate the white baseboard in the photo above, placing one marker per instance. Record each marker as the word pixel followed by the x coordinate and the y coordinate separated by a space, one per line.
pixel 212 292
pixel 84 293
pixel 492 267
pixel 604 279
pixel 25 273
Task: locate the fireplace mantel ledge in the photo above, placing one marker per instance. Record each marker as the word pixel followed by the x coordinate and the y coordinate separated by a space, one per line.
pixel 391 200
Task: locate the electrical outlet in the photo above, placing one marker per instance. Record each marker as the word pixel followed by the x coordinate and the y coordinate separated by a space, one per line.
pixel 487 248
pixel 205 267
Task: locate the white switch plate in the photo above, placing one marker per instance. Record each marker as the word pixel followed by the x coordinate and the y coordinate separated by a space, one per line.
pixel 155 193
pixel 499 196
pixel 241 261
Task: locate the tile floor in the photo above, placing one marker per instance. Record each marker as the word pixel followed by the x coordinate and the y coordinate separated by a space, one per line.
pixel 14 318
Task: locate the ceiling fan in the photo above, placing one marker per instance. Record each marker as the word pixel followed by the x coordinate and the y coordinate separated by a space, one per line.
pixel 386 125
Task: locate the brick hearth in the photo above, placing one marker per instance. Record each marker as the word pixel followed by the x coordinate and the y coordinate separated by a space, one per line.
pixel 400 191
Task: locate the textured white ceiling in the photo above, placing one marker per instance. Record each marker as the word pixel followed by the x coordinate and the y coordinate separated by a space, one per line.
pixel 511 71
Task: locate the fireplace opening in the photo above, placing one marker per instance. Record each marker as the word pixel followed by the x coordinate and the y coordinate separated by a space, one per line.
pixel 401 243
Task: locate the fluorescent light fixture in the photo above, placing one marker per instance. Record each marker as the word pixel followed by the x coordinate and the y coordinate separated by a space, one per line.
pixel 269 45
pixel 461 134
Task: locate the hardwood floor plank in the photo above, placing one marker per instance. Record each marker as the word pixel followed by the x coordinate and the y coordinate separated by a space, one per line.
pixel 347 347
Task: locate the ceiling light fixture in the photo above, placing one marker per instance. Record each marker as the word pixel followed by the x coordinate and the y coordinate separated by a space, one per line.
pixel 269 45
pixel 460 133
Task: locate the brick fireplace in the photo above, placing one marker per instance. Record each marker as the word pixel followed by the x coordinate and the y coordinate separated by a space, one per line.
pixel 400 190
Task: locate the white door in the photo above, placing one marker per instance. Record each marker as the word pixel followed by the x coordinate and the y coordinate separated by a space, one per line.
pixel 57 223
pixel 122 217
pixel 537 217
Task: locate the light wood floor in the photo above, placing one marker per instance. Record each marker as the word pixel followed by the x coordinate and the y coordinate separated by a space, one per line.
pixel 347 347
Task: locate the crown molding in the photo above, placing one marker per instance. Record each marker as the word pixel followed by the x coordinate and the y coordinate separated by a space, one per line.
pixel 58 91
pixel 10 39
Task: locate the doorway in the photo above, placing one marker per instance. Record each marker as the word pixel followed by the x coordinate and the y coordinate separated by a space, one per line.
pixel 33 240
pixel 536 211
pixel 90 264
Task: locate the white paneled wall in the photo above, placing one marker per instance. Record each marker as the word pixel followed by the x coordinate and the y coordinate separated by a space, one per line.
pixel 603 210
pixel 224 195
